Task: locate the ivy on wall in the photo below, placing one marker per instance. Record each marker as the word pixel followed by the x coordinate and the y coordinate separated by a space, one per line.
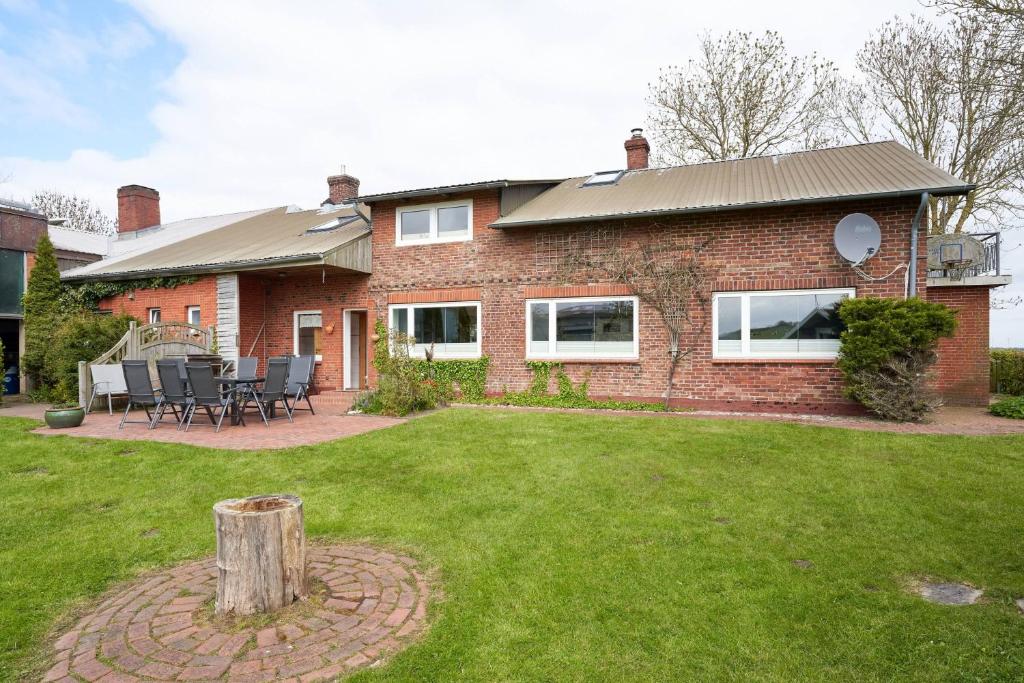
pixel 87 295
pixel 470 375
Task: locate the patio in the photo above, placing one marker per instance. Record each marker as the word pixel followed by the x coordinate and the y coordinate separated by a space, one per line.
pixel 330 422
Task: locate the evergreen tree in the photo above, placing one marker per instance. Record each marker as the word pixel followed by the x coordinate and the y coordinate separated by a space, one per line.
pixel 42 312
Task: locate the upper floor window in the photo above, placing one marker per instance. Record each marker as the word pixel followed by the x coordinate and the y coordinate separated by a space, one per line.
pixel 780 324
pixel 452 329
pixel 428 223
pixel 582 328
pixel 154 315
pixel 192 315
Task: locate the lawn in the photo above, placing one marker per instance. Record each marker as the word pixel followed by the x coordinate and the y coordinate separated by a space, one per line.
pixel 576 547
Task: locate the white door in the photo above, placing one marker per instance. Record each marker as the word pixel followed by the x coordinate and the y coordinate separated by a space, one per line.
pixel 353 349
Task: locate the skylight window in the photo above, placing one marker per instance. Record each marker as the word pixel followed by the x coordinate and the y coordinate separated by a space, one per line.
pixel 603 178
pixel 332 224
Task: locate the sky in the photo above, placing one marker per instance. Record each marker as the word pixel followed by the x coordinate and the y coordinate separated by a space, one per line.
pixel 225 106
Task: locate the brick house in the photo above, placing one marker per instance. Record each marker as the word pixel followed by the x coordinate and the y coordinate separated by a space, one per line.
pixel 474 269
pixel 21 226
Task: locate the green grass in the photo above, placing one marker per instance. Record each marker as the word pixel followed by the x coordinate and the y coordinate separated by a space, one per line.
pixel 576 547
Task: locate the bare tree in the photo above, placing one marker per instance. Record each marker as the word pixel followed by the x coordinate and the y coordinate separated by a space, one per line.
pixel 1008 15
pixel 742 96
pixel 78 212
pixel 948 94
pixel 661 272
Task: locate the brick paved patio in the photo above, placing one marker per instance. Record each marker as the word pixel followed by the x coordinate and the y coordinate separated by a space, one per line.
pixel 330 422
pixel 368 605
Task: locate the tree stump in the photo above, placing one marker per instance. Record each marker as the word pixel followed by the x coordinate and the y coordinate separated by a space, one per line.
pixel 261 553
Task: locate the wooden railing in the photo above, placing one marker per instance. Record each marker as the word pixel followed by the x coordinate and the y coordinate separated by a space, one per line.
pixel 148 342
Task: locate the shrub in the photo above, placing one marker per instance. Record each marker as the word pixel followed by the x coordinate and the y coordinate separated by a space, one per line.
pixel 401 385
pixel 887 348
pixel 1007 372
pixel 82 337
pixel 43 313
pixel 1009 407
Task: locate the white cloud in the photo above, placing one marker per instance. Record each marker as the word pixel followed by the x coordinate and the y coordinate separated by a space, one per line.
pixel 271 97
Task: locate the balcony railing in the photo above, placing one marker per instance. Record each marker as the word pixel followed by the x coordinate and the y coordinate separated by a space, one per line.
pixel 989 264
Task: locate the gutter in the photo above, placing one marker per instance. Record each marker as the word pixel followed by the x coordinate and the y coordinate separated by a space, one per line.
pixel 939 192
pixel 915 226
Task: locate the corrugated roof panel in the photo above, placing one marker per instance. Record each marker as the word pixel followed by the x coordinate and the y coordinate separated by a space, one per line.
pixel 271 236
pixel 875 169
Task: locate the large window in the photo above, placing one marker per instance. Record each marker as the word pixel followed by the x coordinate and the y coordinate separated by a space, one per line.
pixel 452 328
pixel 582 328
pixel 448 222
pixel 789 324
pixel 308 334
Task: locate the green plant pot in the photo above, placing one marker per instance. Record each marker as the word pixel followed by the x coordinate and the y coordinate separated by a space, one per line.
pixel 62 418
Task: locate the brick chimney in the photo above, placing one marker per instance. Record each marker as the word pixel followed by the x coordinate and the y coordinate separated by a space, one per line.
pixel 637 150
pixel 137 207
pixel 342 187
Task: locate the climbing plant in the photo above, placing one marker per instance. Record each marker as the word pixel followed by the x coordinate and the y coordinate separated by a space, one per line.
pixel 87 295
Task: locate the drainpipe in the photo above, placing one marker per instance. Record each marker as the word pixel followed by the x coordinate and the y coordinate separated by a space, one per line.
pixel 914 228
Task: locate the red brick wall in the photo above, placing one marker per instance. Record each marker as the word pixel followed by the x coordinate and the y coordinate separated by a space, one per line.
pixel 172 302
pixel 778 248
pixel 962 371
pixel 273 300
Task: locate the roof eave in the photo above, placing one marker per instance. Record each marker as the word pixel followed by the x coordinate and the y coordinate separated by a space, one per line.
pixel 937 192
pixel 229 267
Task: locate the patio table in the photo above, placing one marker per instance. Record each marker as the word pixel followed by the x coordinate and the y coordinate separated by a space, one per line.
pixel 234 382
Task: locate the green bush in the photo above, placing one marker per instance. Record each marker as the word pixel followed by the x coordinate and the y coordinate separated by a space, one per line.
pixel 1007 372
pixel 43 313
pixel 1009 407
pixel 82 337
pixel 402 387
pixel 887 348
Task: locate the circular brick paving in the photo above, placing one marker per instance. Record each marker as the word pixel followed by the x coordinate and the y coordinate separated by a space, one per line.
pixel 364 605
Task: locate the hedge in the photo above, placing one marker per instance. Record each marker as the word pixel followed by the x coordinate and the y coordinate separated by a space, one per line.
pixel 1007 375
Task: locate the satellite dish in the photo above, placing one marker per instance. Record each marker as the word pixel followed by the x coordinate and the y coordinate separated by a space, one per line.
pixel 857 238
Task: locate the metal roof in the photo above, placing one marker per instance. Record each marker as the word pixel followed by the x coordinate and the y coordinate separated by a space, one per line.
pixel 881 169
pixel 271 238
pixel 449 189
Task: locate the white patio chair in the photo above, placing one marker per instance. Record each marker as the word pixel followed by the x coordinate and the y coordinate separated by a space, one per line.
pixel 108 381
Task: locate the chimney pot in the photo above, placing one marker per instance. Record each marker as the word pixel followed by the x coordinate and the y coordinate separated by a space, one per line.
pixel 638 150
pixel 137 207
pixel 342 188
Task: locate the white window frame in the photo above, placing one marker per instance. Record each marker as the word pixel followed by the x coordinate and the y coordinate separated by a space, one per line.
pixel 553 326
pixel 149 314
pixel 432 237
pixel 744 297
pixel 295 331
pixel 188 315
pixel 419 350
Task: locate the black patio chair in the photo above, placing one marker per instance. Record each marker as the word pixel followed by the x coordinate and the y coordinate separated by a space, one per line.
pixel 246 367
pixel 300 381
pixel 272 392
pixel 173 389
pixel 140 393
pixel 207 393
